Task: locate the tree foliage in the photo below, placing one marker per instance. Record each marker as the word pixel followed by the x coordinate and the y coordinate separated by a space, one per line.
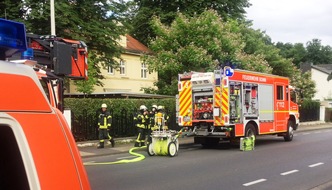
pixel 97 23
pixel 317 53
pixel 167 11
pixel 297 52
pixel 194 44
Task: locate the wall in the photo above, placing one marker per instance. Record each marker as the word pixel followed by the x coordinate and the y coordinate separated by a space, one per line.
pixel 323 87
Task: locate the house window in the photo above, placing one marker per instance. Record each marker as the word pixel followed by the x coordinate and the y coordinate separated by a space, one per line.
pixel 110 70
pixel 144 71
pixel 122 68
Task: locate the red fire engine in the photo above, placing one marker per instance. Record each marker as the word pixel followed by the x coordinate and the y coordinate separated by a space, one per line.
pixel 38 150
pixel 54 58
pixel 230 103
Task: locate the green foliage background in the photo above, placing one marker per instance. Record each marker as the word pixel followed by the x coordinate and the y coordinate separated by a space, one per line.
pixel 79 105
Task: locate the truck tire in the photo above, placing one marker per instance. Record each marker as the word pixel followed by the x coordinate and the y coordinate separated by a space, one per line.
pixel 290 131
pixel 250 130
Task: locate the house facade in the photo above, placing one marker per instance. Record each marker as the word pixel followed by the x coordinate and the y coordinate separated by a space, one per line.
pixel 319 74
pixel 132 74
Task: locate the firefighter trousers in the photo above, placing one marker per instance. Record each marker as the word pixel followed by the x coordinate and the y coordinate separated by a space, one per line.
pixel 140 140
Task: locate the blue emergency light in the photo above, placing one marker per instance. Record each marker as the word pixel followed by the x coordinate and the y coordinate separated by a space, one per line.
pixel 27 54
pixel 228 71
pixel 12 38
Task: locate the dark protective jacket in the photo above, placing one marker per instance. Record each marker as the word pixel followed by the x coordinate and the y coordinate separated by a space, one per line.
pixel 141 120
pixel 104 120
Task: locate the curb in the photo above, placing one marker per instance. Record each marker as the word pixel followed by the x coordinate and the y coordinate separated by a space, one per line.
pixel 306 127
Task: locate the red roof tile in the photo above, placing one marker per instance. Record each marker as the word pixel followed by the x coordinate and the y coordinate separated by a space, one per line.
pixel 136 46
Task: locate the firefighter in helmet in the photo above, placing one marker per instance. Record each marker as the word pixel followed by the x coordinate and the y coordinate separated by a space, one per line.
pixel 104 125
pixel 141 120
pixel 161 118
pixel 151 124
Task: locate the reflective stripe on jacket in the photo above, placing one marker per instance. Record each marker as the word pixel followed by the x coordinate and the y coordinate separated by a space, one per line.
pixel 141 120
pixel 104 120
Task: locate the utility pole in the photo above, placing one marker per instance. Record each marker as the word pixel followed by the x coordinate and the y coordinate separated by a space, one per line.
pixel 52 18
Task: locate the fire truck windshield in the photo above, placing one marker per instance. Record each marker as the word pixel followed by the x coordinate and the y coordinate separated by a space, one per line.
pixel 293 95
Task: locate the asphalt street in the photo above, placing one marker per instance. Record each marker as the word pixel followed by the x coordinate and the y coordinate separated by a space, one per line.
pixel 123 145
pixel 304 163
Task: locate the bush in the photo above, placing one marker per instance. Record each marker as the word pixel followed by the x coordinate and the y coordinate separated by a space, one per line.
pixel 309 110
pixel 91 105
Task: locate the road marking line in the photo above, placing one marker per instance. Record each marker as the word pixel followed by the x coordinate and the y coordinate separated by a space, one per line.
pixel 125 157
pixel 314 165
pixel 289 172
pixel 318 132
pixel 254 182
pixel 305 133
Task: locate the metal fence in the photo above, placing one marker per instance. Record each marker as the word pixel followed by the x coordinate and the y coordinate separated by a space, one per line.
pixel 311 114
pixel 85 126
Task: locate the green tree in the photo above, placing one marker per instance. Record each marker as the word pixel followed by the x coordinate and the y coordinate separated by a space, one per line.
pixel 97 23
pixel 259 44
pixel 194 44
pixel 317 53
pixel 296 52
pixel 168 10
pixel 11 9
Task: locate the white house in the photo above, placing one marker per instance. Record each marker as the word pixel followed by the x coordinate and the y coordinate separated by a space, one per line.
pixel 319 74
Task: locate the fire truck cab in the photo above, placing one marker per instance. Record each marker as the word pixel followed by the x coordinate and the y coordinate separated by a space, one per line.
pixel 38 149
pixel 229 103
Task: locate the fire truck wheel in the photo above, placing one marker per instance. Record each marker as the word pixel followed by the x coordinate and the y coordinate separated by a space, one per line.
pixel 290 131
pixel 172 150
pixel 250 130
pixel 150 150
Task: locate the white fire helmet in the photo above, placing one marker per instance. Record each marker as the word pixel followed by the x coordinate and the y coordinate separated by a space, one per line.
pixel 155 106
pixel 104 106
pixel 160 107
pixel 143 107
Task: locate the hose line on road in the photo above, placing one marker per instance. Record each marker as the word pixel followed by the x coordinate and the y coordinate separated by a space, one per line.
pixel 139 157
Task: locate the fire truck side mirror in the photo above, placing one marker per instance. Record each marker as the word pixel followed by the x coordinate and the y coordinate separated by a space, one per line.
pixel 62 58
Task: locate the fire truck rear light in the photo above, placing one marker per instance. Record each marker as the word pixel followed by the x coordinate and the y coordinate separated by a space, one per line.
pixel 179 119
pixel 226 119
pixel 179 86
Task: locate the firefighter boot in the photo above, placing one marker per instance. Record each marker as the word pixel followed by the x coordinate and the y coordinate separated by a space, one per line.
pixel 101 145
pixel 112 142
pixel 137 144
pixel 142 143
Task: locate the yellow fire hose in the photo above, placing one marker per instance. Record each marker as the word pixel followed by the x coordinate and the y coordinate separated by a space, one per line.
pixel 140 157
pixel 124 161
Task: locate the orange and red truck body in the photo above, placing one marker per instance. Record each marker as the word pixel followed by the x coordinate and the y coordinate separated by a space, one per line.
pixel 38 149
pixel 233 103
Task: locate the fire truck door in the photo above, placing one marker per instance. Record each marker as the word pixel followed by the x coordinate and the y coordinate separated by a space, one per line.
pixel 281 105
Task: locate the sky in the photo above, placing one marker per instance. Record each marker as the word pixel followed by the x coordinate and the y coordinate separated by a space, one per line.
pixel 293 21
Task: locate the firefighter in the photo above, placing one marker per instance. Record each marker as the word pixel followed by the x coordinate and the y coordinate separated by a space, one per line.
pixel 141 120
pixel 161 118
pixel 151 124
pixel 104 125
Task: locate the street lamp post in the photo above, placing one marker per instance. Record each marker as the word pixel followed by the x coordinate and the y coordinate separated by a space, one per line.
pixel 52 18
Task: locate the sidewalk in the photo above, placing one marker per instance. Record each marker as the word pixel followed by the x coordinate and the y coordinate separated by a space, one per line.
pixel 123 145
